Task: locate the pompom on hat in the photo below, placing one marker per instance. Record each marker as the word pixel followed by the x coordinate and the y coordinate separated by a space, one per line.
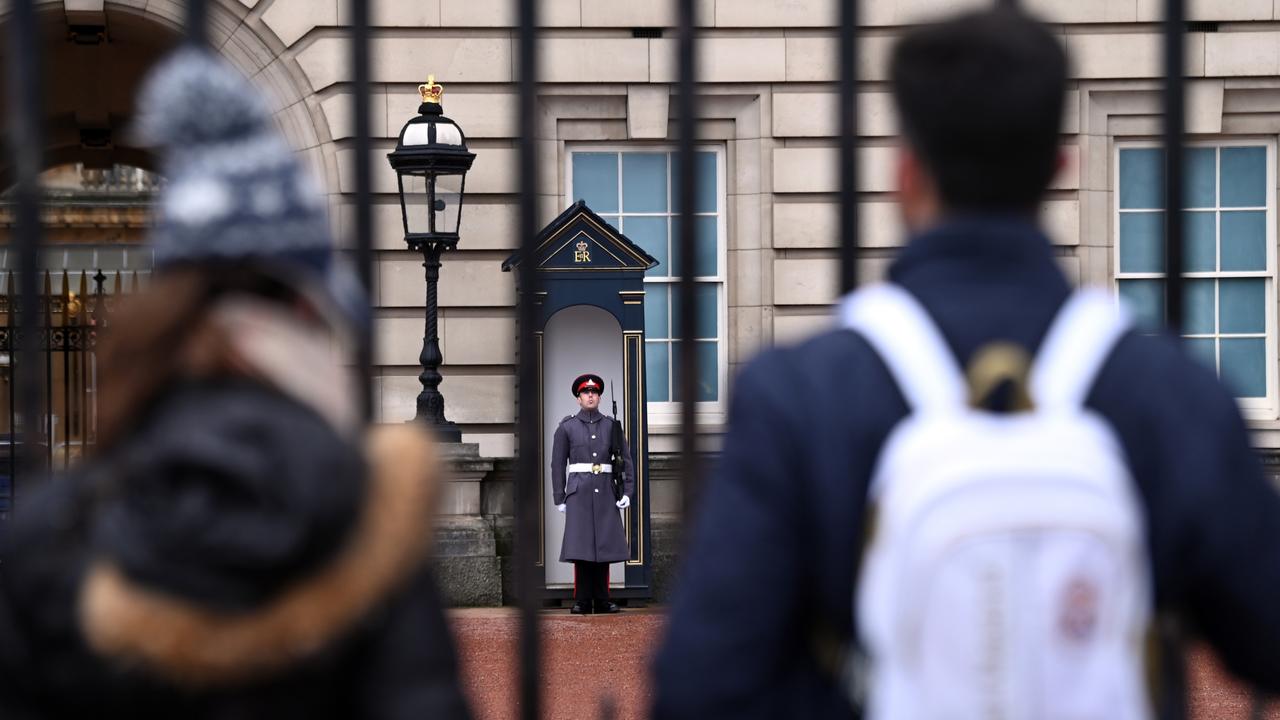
pixel 235 191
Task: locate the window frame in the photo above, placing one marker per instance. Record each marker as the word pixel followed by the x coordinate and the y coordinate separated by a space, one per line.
pixel 659 411
pixel 1260 408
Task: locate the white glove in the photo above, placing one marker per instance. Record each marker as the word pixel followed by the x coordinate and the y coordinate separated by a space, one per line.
pixel 624 503
pixel 561 507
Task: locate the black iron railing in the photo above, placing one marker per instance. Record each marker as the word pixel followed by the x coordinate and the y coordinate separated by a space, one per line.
pixel 66 336
pixel 528 490
pixel 686 234
pixel 1174 114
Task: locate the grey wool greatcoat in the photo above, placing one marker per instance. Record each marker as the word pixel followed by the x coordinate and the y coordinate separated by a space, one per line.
pixel 593 524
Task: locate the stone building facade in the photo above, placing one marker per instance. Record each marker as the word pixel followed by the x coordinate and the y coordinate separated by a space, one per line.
pixel 767 127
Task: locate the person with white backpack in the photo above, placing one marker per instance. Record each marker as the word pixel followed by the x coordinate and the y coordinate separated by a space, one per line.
pixel 982 494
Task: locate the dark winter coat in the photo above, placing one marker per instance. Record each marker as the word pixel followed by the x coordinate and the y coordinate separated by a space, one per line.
pixel 773 554
pixel 593 529
pixel 233 558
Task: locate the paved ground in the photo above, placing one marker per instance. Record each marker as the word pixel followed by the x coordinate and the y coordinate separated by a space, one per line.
pixel 1216 696
pixel 604 658
pixel 587 661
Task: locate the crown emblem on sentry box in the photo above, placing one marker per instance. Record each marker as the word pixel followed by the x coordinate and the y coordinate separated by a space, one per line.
pixel 580 252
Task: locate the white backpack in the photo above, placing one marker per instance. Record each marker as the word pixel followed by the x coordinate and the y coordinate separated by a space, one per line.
pixel 1006 574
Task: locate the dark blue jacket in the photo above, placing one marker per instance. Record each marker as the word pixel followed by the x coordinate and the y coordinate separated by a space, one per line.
pixel 777 536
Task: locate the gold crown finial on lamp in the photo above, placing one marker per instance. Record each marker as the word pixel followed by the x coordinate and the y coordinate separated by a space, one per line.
pixel 431 92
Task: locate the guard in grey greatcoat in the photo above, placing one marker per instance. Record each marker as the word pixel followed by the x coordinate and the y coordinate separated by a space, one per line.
pixel 582 487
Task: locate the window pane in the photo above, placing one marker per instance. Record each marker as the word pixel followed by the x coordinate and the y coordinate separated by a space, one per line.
pixel 708 380
pixel 595 179
pixel 1141 178
pixel 655 310
pixel 1202 349
pixel 705 295
pixel 706 255
pixel 1244 240
pixel 1201 172
pixel 708 310
pixel 1141 242
pixel 1200 245
pixel 71 257
pixel 644 182
pixel 1145 299
pixel 1242 305
pixel 110 259
pixel 142 258
pixel 650 233
pixel 1198 307
pixel 1244 366
pixel 1244 177
pixel 707 383
pixel 657 364
pixel 705 197
pixel 613 221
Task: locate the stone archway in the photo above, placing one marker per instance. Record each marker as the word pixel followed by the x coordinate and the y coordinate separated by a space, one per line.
pixel 95 59
pixel 97 191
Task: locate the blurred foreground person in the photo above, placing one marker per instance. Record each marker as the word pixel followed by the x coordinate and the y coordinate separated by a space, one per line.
pixel 984 495
pixel 238 546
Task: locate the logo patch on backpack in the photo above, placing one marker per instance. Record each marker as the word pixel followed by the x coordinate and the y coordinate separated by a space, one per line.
pixel 1078 616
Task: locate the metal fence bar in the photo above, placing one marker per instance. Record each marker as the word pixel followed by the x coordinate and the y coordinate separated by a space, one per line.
pixel 26 146
pixel 18 373
pixel 47 322
pixel 528 496
pixel 848 124
pixel 686 234
pixel 364 198
pixel 1174 120
pixel 196 22
pixel 68 387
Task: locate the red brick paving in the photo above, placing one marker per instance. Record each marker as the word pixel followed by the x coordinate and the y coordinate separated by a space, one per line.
pixel 585 660
pixel 589 659
pixel 1214 695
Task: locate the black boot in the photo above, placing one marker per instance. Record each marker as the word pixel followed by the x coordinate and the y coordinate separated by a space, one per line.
pixel 580 608
pixel 606 607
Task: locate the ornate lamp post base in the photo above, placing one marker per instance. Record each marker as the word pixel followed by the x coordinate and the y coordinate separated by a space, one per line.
pixel 431 414
pixel 446 432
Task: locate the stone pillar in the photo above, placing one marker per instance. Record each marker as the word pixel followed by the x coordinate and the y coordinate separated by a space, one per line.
pixel 665 526
pixel 497 497
pixel 466 557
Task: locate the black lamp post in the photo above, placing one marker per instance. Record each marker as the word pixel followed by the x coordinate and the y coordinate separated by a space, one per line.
pixel 431 161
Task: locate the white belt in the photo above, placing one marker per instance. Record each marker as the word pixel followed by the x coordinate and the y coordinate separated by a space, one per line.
pixel 594 469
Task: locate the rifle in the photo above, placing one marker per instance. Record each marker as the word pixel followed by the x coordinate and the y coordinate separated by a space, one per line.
pixel 615 447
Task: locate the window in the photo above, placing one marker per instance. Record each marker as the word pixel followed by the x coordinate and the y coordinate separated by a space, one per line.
pixel 115 202
pixel 1229 253
pixel 633 190
pixel 124 264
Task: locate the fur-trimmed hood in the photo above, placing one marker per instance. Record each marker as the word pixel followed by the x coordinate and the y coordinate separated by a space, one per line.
pixel 199 646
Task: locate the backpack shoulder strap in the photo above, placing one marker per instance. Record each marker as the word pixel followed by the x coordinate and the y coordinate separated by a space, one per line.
pixel 906 338
pixel 1076 347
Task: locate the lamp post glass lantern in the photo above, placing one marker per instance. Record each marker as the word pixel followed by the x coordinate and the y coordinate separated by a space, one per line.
pixel 431 161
